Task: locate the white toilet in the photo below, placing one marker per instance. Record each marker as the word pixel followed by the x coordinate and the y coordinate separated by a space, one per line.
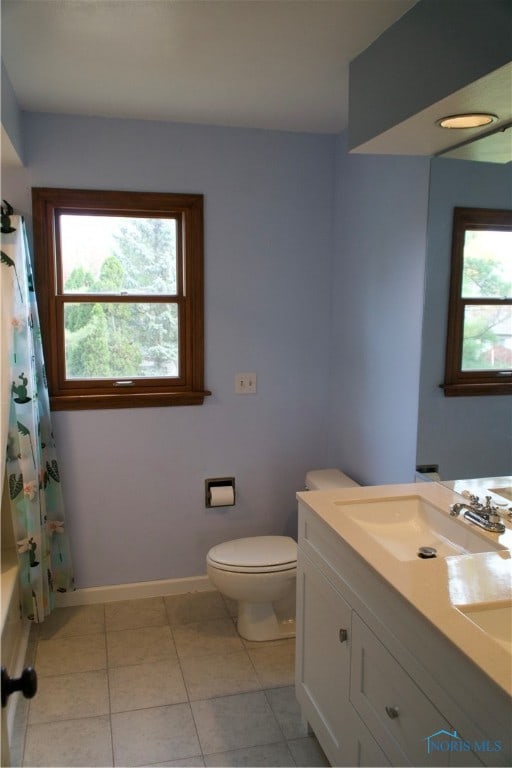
pixel 261 570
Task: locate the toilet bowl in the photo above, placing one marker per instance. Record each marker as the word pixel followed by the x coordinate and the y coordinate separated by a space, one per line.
pixel 256 572
pixel 260 572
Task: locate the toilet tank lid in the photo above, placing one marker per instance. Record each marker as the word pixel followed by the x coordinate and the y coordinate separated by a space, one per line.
pixel 255 551
pixel 325 479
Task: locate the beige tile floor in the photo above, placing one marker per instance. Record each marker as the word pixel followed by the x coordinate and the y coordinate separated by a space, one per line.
pixel 163 681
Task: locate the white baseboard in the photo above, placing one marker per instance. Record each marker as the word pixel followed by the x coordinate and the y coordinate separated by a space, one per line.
pixel 111 593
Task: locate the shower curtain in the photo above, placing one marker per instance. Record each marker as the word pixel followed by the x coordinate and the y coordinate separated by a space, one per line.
pixel 32 470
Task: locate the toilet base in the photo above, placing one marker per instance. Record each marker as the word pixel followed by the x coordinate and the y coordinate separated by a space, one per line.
pixel 258 621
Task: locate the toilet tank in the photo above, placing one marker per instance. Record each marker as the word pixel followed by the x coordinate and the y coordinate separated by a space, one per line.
pixel 326 479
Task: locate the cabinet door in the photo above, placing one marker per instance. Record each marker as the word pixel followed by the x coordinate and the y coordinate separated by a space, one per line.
pixel 323 662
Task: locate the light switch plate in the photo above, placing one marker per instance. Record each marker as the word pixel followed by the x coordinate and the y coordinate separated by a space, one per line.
pixel 245 383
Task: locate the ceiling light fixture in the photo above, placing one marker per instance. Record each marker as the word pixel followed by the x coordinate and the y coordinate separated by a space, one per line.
pixel 470 120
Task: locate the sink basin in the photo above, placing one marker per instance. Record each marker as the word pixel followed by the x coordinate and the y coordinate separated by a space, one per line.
pixel 494 618
pixel 405 525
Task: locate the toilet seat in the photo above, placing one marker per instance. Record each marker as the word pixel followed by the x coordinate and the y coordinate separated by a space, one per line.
pixel 256 554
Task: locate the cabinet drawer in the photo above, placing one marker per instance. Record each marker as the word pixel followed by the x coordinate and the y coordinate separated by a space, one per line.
pixel 398 714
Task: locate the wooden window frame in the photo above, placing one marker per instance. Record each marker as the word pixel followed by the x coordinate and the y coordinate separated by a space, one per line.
pixel 457 382
pixel 66 394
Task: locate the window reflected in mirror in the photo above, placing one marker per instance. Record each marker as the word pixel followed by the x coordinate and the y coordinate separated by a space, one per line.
pixel 479 338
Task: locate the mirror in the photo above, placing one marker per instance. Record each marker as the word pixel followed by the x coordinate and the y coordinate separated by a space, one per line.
pixel 465 437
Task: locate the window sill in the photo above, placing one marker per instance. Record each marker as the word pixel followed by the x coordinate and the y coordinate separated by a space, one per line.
pixel 132 400
pixel 474 389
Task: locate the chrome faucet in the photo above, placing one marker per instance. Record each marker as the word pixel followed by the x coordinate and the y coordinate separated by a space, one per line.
pixel 484 515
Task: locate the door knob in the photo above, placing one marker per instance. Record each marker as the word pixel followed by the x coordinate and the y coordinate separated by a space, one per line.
pixel 392 712
pixel 343 635
pixel 26 683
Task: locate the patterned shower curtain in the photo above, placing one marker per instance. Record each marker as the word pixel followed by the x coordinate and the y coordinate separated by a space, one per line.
pixel 32 470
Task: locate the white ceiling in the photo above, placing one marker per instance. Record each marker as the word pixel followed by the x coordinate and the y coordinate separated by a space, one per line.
pixel 279 64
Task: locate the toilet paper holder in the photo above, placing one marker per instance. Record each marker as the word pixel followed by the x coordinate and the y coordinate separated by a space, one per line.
pixel 218 482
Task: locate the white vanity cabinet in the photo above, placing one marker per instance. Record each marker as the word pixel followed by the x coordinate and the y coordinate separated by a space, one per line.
pixel 374 680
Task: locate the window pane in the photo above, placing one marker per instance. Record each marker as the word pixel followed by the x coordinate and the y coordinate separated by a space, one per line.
pixel 115 340
pixel 487 264
pixel 487 342
pixel 118 254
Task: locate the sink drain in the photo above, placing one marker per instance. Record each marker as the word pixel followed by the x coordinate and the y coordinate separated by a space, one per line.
pixel 427 552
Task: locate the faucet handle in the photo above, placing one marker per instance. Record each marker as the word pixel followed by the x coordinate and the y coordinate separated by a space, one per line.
pixel 491 510
pixel 471 496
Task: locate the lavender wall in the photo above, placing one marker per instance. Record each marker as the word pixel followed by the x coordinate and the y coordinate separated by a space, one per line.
pixel 134 479
pixel 377 307
pixel 293 225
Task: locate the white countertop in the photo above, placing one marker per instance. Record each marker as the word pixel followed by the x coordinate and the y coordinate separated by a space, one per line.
pixel 434 587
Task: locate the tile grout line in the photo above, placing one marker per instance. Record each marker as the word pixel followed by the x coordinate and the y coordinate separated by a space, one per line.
pixel 108 689
pixel 186 687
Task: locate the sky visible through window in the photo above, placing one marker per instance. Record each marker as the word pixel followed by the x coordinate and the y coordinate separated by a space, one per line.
pixel 87 241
